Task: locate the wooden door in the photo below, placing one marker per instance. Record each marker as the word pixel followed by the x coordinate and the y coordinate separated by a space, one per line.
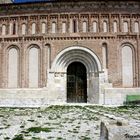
pixel 76 83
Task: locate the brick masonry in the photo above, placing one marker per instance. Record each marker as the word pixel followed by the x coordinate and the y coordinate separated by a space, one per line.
pixel 52 44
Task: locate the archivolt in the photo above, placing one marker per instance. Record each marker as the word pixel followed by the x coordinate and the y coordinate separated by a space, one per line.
pixel 76 54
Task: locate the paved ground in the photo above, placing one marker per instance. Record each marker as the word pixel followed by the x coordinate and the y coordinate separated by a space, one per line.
pixel 59 122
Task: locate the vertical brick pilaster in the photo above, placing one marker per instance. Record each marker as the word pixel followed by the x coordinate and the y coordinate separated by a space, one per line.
pixel 138 59
pixel 120 23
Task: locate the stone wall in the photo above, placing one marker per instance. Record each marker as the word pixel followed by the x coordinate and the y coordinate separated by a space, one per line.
pixel 117 96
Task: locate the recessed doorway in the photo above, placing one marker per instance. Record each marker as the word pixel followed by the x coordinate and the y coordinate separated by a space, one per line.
pixel 76 83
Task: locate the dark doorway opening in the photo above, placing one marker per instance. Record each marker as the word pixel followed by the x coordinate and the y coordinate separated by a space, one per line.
pixel 76 83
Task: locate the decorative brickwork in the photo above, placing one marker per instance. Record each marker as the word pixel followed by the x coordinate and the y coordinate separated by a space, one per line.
pixel 57 27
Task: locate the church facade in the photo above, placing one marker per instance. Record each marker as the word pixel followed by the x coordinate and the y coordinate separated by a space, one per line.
pixel 69 52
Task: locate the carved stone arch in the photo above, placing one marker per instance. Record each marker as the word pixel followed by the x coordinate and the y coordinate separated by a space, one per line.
pixel 76 52
pixel 71 55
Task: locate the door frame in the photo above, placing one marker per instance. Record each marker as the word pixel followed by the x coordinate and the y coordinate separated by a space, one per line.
pixel 79 91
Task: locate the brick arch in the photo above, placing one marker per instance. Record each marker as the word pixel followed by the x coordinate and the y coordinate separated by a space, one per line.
pixel 13 67
pixel 32 66
pixel 33 45
pixel 127 64
pixel 128 44
pixel 12 46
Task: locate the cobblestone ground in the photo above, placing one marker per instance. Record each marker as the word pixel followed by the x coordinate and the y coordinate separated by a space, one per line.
pixel 59 122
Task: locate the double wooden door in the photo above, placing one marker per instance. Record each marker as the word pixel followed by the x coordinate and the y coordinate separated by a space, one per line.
pixel 76 83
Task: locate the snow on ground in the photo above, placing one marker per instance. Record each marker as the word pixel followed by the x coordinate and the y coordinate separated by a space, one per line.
pixel 59 122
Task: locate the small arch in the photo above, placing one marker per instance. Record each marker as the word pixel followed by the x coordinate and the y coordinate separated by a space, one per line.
pixel 115 27
pixel 128 44
pixel 23 29
pixel 74 25
pixel 64 28
pixel 125 26
pixel 53 27
pixel 84 26
pixel 95 27
pixel 43 28
pixel 14 29
pixel 105 27
pixel 136 27
pixel 3 29
pixel 49 55
pixel 105 55
pixel 33 28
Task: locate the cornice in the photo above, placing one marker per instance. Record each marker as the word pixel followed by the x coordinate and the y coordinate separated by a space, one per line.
pixel 83 6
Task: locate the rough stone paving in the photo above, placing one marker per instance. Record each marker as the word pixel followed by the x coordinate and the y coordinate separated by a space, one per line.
pixel 63 122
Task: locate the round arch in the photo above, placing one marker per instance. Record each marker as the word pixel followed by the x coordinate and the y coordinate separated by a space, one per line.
pixel 58 74
pixel 33 64
pixel 79 54
pixel 127 64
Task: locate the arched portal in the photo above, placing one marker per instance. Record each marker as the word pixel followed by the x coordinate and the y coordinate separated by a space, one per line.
pixel 78 58
pixel 76 83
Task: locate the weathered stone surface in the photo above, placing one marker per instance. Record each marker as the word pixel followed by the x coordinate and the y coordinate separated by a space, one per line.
pixel 119 129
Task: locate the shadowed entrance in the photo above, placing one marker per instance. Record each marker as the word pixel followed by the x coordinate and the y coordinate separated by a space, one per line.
pixel 76 83
pixel 74 75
